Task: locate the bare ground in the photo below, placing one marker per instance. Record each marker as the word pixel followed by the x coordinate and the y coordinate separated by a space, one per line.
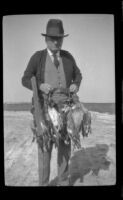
pixel 94 164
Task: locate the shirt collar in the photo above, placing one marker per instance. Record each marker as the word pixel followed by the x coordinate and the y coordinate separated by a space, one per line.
pixel 51 54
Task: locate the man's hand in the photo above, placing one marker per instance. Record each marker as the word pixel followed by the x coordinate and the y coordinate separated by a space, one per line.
pixel 73 88
pixel 45 87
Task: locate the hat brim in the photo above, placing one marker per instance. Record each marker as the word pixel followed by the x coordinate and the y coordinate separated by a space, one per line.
pixel 60 36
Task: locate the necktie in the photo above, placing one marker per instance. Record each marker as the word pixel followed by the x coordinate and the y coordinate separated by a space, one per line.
pixel 56 62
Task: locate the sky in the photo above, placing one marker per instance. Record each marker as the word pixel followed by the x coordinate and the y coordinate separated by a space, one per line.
pixel 90 41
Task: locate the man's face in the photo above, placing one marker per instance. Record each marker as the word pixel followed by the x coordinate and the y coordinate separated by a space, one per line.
pixel 54 43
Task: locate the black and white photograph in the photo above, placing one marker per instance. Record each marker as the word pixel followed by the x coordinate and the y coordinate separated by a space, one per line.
pixel 59 100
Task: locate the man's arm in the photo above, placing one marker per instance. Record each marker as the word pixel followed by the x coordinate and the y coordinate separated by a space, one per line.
pixel 30 72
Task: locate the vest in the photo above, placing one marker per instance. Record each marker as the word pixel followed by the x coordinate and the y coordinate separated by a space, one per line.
pixel 55 77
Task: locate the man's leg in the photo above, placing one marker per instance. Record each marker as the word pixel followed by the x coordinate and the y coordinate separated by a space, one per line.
pixel 64 152
pixel 44 165
pixel 43 157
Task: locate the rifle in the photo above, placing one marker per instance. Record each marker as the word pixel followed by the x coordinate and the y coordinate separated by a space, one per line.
pixel 42 130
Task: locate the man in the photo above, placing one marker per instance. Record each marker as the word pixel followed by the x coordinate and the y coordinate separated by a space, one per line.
pixel 53 68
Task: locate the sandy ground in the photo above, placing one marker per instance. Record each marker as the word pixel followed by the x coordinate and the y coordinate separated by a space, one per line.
pixel 93 164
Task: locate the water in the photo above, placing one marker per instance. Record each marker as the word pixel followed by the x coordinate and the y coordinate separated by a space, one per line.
pixel 96 107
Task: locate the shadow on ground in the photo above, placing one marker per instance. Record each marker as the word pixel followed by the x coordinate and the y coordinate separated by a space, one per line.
pixel 87 160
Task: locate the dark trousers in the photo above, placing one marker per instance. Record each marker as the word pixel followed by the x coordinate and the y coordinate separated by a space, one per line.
pixel 44 160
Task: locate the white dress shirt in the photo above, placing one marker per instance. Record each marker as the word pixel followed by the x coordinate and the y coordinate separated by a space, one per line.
pixel 51 55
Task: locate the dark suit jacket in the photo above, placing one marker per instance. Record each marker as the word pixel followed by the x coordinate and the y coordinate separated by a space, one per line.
pixel 36 67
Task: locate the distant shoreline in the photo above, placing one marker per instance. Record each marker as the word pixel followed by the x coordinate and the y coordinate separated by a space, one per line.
pixel 97 107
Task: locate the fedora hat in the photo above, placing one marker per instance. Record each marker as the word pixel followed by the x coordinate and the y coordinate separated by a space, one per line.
pixel 54 28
